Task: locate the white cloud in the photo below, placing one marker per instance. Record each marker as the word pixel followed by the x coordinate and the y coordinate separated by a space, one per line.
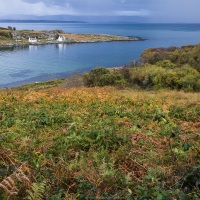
pixel 8 7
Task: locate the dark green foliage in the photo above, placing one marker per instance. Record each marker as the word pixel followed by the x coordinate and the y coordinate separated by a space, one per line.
pixel 178 112
pixel 114 78
pixel 191 179
pixel 92 78
pixel 101 76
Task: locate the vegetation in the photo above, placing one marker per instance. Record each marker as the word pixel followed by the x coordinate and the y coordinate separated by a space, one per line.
pixel 170 68
pixel 162 75
pixel 99 143
pixel 166 75
pixel 60 140
pixel 101 76
pixel 179 56
pixel 5 34
pixel 40 85
pixel 99 37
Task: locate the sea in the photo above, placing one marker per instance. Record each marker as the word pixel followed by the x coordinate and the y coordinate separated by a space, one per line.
pixel 22 65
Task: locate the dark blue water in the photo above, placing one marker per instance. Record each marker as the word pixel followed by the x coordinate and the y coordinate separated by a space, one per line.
pixel 39 63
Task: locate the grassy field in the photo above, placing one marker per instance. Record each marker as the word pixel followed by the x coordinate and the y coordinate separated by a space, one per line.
pixel 96 37
pixel 99 143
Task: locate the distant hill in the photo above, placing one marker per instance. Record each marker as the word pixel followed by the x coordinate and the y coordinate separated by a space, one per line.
pixel 75 19
pixel 38 21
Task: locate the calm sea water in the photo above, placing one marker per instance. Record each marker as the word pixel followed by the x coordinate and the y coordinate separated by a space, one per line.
pixel 38 63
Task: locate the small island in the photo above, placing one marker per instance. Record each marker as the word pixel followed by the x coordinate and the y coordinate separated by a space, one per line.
pixel 12 37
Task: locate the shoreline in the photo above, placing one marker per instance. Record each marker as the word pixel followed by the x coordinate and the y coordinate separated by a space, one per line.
pixel 14 38
pixel 124 39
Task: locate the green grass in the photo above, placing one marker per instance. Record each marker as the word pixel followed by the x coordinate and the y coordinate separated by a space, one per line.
pixel 40 85
pixel 98 143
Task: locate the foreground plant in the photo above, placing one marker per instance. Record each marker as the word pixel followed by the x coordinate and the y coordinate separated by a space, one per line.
pixel 99 143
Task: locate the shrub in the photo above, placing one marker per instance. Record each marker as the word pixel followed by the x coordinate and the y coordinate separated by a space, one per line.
pixel 178 56
pixel 166 75
pixel 92 78
pixel 101 76
pixel 125 72
pixel 107 79
pixel 5 34
pixel 166 64
pixel 114 78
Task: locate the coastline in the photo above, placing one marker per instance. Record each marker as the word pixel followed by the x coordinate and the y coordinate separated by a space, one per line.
pixel 10 38
pixel 21 44
pixel 124 39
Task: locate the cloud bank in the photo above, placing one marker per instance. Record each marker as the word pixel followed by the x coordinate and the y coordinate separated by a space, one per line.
pixel 39 8
pixel 72 7
pixel 152 10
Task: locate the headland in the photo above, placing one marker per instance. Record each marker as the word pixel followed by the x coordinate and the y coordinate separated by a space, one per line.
pixel 12 37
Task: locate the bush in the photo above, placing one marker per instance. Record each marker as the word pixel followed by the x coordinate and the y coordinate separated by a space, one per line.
pixel 5 34
pixel 92 78
pixel 101 76
pixel 169 76
pixel 166 64
pixel 178 56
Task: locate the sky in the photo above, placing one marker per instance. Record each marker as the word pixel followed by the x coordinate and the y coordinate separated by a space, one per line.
pixel 146 10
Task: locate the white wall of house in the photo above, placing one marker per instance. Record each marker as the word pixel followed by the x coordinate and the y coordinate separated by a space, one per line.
pixel 32 40
pixel 61 39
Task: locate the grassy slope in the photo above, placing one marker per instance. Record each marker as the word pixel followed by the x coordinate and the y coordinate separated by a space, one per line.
pixel 100 142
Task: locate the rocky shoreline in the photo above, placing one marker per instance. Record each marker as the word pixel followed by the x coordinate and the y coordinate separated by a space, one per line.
pixel 13 38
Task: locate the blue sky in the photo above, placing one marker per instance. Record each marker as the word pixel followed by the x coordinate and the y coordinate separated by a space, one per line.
pixel 147 10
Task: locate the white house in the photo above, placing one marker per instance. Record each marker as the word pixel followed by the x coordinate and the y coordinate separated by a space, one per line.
pixel 32 40
pixel 61 38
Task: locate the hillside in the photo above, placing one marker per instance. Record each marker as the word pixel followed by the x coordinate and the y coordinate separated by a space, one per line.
pixel 99 143
pixel 189 54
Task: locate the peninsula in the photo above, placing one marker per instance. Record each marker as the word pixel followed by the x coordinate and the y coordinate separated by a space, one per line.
pixel 12 37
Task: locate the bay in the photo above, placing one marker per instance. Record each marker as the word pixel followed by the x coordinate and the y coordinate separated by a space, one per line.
pixel 22 65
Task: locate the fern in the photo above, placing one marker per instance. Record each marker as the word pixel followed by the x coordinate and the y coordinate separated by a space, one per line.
pixel 37 191
pixel 9 184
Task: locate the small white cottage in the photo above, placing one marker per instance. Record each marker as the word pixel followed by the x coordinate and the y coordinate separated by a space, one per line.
pixel 61 38
pixel 32 40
